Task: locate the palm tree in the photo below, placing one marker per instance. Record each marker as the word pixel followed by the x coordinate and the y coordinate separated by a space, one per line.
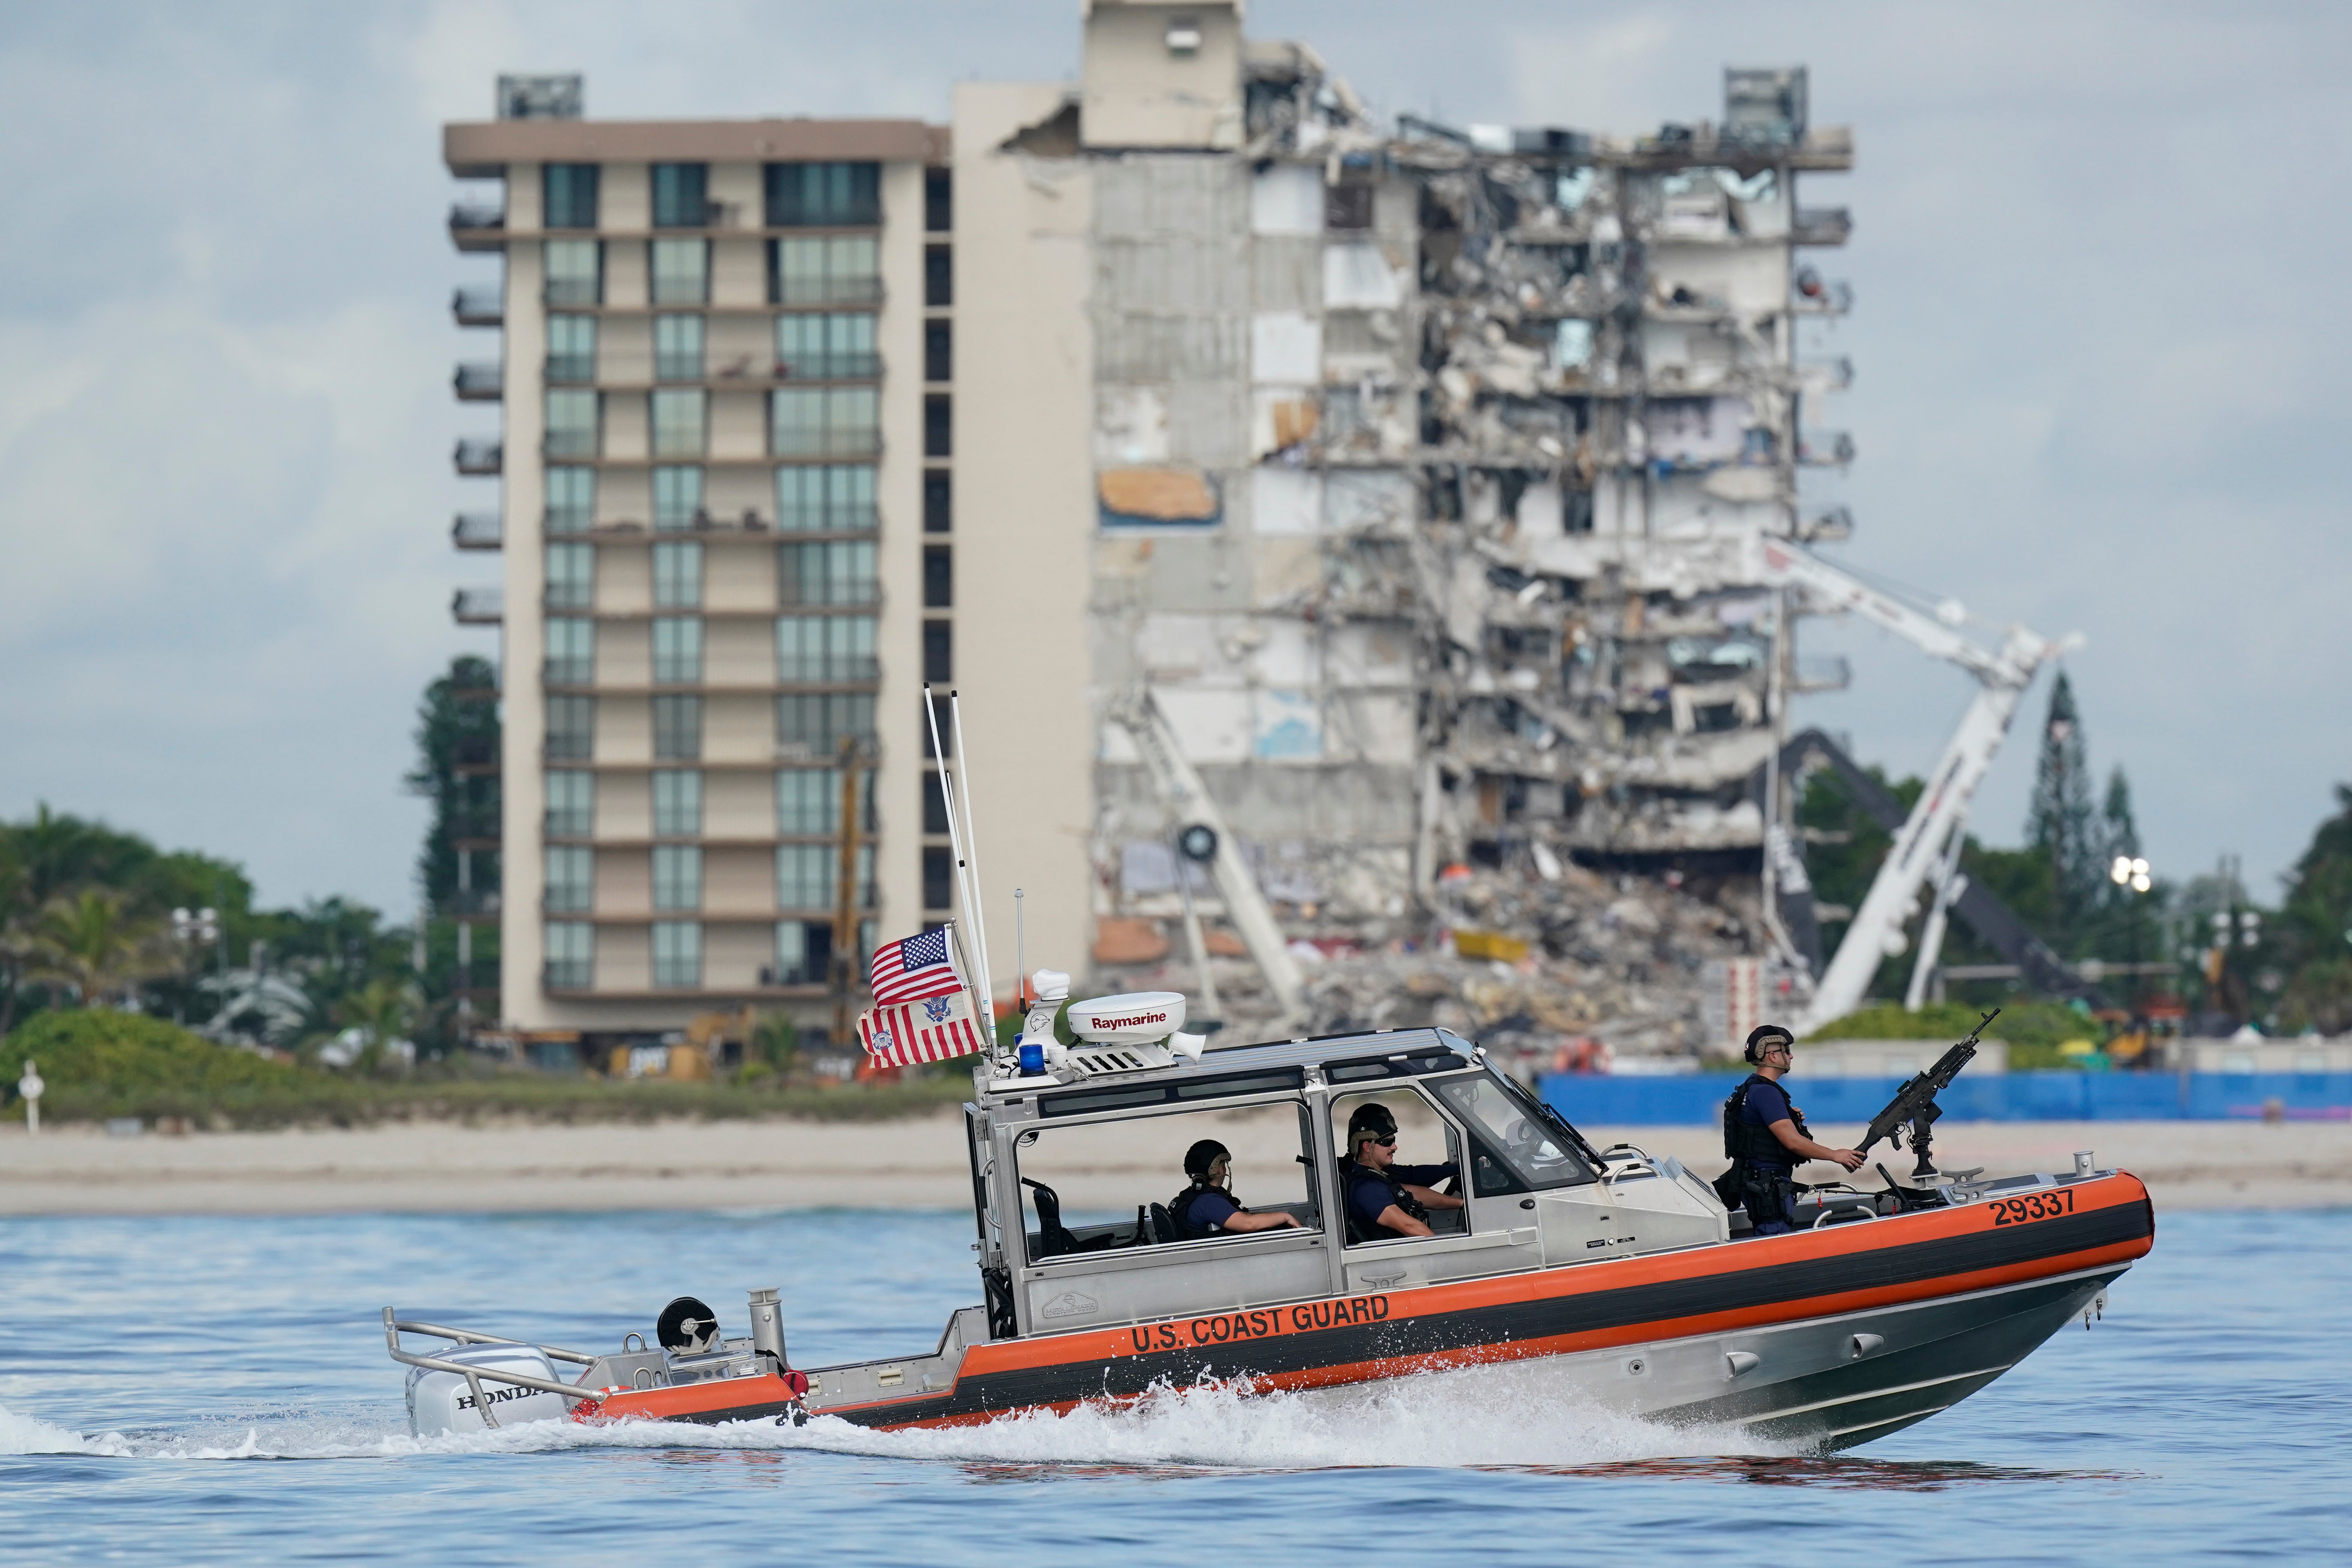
pixel 90 942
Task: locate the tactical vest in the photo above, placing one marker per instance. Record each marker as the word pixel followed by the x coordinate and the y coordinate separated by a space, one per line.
pixel 1179 1209
pixel 1364 1230
pixel 1747 1143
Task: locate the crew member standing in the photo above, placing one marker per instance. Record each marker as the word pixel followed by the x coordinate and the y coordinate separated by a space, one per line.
pixel 1765 1137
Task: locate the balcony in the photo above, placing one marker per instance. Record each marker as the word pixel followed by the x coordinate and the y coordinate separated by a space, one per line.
pixel 850 291
pixel 473 901
pixel 803 442
pixel 474 754
pixel 483 381
pixel 1825 450
pixel 478 226
pixel 478 531
pixel 475 830
pixel 1821 226
pixel 567 671
pixel 830 367
pixel 480 457
pixel 478 606
pixel 564 975
pixel 568 442
pixel 480 306
pixel 571 370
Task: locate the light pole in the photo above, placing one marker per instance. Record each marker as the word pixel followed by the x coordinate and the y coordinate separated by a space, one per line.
pixel 193 932
pixel 2130 873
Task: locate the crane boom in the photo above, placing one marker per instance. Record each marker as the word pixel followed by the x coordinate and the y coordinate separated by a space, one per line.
pixel 1940 815
pixel 1189 802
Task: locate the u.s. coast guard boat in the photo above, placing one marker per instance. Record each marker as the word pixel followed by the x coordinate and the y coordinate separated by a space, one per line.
pixel 1620 1267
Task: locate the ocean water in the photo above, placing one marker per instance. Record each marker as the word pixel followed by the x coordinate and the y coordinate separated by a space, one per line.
pixel 215 1391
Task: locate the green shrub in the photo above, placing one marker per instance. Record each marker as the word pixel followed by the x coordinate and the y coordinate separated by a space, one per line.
pixel 2034 1029
pixel 96 1062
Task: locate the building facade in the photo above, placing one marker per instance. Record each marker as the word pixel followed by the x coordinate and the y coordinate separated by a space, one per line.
pixel 1406 466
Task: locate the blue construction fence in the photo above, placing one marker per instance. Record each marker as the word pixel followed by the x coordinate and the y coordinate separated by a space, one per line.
pixel 1697 1098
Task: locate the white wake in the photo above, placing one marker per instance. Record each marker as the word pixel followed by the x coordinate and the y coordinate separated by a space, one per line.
pixel 1522 1415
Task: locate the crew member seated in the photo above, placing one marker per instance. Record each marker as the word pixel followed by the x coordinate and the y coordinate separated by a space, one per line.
pixel 1207 1208
pixel 1766 1139
pixel 1386 1200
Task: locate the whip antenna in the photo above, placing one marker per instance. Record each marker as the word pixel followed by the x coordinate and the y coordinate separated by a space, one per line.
pixel 971 852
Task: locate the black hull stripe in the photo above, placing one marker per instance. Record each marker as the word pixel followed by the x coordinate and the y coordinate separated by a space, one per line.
pixel 1573 1313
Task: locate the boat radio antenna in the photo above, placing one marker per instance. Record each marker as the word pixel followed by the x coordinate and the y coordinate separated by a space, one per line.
pixel 959 827
pixel 970 852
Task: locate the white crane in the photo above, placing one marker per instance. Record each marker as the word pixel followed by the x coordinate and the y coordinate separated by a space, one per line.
pixel 1188 801
pixel 1926 846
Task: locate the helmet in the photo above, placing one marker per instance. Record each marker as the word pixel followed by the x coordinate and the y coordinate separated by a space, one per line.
pixel 1765 1036
pixel 1203 1154
pixel 1371 1119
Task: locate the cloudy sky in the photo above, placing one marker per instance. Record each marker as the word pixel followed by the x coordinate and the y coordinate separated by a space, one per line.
pixel 2100 347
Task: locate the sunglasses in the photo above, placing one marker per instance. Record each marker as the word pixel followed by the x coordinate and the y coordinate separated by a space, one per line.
pixel 1387 1142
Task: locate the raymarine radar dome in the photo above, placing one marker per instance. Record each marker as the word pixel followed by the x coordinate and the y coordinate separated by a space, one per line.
pixel 1137 1018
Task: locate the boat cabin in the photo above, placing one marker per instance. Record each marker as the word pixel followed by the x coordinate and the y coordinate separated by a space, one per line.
pixel 1536 1193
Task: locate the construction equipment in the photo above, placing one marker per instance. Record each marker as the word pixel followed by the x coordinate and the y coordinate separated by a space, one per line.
pixel 1198 819
pixel 1936 824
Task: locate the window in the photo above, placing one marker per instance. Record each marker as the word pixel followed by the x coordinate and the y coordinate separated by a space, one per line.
pixel 571 422
pixel 678 953
pixel 935 803
pixel 938 878
pixel 1517 1148
pixel 939 200
pixel 808 802
pixel 678 729
pixel 571 348
pixel 677 573
pixel 804 953
pixel 677 348
pixel 678 876
pixel 677 421
pixel 571 649
pixel 938 501
pixel 939 426
pixel 678 650
pixel 826 348
pixel 828 497
pixel 571 878
pixel 571 576
pixel 571 803
pixel 567 195
pixel 808 877
pixel 1266 1175
pixel 677 497
pixel 838 573
pixel 570 728
pixel 825 649
pixel 824 422
pixel 939 350
pixel 813 724
pixel 570 499
pixel 939 651
pixel 681 271
pixel 571 955
pixel 1423 1137
pixel 938 578
pixel 575 271
pixel 824 195
pixel 939 277
pixel 1347 207
pixel 679 196
pixel 938 716
pixel 838 270
pixel 677 804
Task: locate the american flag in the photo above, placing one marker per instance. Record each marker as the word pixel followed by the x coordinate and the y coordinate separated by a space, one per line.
pixel 926 1031
pixel 914 969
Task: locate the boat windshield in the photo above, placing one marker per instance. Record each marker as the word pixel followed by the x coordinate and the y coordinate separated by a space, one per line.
pixel 1535 1144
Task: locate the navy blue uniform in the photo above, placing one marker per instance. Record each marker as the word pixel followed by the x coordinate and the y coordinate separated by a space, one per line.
pixel 1204 1212
pixel 1370 1192
pixel 1763 1103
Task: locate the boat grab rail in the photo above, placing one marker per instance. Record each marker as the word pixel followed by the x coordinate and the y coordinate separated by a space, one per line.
pixel 395 1327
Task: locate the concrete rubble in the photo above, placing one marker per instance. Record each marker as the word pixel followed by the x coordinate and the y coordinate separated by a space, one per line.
pixel 1422 453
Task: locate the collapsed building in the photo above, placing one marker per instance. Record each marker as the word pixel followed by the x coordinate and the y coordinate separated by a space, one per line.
pixel 1421 460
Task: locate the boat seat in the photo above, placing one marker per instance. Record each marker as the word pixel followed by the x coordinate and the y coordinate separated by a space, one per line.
pixel 1053 1237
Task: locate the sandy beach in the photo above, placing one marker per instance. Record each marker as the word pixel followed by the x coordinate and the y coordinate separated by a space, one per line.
pixel 921 1164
